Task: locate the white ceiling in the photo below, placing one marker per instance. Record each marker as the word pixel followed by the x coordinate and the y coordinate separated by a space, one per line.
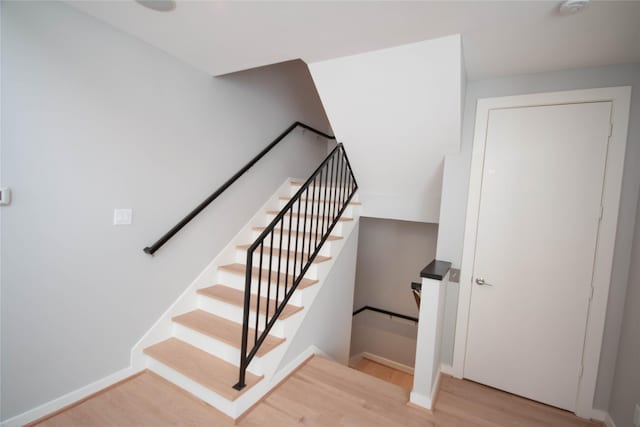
pixel 499 37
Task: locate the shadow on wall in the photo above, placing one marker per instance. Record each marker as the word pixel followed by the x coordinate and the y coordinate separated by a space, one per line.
pixel 391 254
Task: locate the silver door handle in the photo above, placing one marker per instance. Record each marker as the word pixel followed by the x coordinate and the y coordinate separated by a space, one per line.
pixel 480 281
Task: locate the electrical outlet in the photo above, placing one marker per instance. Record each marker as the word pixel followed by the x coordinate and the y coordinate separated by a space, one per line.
pixel 122 216
pixel 636 416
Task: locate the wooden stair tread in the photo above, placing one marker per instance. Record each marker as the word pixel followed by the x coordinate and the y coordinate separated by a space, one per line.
pixel 235 297
pixel 207 370
pixel 223 330
pixel 318 200
pixel 255 272
pixel 342 218
pixel 307 234
pixel 317 260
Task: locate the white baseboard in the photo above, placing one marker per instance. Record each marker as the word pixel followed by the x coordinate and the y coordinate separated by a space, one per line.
pixel 382 360
pixel 608 421
pixel 447 369
pixel 424 401
pixel 421 400
pixel 68 399
pixel 284 372
pixel 436 386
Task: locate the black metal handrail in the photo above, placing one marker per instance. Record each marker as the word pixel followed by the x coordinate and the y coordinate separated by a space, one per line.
pixel 321 199
pixel 383 311
pixel 184 221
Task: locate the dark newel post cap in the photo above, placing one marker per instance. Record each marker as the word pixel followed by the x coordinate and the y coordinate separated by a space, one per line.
pixel 436 270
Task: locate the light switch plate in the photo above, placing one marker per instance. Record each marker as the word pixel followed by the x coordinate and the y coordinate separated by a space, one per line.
pixel 122 216
pixel 454 275
pixel 636 416
pixel 5 196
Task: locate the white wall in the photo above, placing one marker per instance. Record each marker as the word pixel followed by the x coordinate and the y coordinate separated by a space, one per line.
pixel 397 111
pixel 625 392
pixel 94 119
pixel 385 336
pixel 327 325
pixel 456 189
pixel 391 255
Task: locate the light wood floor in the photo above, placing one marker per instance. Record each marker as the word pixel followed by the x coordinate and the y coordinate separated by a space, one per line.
pixel 321 393
pixel 385 373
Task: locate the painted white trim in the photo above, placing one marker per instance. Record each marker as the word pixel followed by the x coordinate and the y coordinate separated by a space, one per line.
pixel 381 360
pixel 420 400
pixel 598 415
pixel 608 421
pixel 620 98
pixel 68 399
pixel 282 374
pixel 446 369
pixel 426 402
pixel 429 338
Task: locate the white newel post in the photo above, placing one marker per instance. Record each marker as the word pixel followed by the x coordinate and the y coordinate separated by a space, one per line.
pixel 427 368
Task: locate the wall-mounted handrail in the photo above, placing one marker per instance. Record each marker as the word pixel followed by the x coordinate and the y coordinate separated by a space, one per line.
pixel 387 312
pixel 184 221
pixel 317 206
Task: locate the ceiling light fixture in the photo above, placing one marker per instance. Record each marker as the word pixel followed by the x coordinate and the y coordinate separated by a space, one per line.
pixel 570 7
pixel 158 5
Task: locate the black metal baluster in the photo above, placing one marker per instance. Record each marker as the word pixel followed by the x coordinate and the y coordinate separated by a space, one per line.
pixel 304 228
pixel 286 281
pixel 295 259
pixel 328 193
pixel 279 260
pixel 344 179
pixel 245 322
pixel 336 191
pixel 342 183
pixel 259 289
pixel 313 201
pixel 266 315
pixel 325 205
pixel 335 188
pixel 318 221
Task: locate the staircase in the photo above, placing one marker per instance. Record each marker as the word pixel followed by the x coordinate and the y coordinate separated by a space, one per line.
pixel 225 337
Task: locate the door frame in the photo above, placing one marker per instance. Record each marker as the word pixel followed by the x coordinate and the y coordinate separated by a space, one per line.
pixel 603 260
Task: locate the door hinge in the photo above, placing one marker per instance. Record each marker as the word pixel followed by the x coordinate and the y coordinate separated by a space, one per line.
pixel 610 129
pixel 580 370
pixel 600 212
pixel 590 293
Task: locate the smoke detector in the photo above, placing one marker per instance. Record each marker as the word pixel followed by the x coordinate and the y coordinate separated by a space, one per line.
pixel 158 5
pixel 570 7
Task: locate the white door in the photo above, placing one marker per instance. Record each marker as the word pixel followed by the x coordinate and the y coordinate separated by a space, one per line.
pixel 537 233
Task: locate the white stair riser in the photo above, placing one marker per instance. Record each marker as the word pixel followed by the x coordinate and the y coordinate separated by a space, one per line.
pixel 235 314
pixel 236 281
pixel 348 212
pixel 293 189
pixel 326 249
pixel 217 348
pixel 311 273
pixel 198 390
pixel 312 224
